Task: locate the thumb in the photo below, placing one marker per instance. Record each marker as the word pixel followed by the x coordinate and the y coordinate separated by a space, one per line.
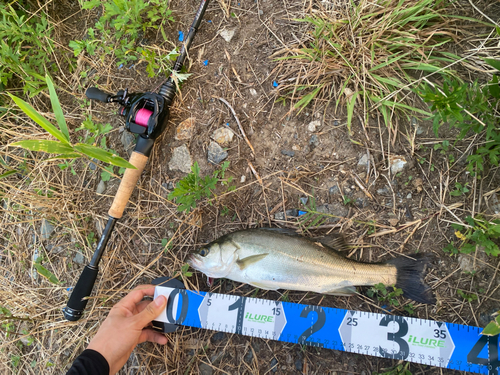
pixel 151 311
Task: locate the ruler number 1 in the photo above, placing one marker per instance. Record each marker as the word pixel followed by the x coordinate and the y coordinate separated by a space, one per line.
pixel 397 337
pixel 240 306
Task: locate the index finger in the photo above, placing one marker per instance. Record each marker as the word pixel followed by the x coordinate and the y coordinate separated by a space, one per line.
pixel 136 295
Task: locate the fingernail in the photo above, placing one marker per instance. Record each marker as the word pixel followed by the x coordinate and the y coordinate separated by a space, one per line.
pixel 160 301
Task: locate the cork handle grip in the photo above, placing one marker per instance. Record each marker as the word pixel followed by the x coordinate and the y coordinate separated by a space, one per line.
pixel 127 185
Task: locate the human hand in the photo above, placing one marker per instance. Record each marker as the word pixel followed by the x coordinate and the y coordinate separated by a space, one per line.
pixel 124 327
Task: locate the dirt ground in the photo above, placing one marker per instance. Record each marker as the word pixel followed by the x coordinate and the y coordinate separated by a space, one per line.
pixel 384 214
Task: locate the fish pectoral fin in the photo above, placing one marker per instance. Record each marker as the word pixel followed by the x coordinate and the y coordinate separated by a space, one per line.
pixel 245 262
pixel 342 291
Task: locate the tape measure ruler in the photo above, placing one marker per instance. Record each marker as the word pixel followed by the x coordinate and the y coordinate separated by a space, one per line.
pixel 447 345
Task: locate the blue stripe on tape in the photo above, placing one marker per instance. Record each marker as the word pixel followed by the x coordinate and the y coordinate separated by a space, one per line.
pixel 428 342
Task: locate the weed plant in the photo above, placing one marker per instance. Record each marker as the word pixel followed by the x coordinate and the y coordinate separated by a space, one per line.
pixel 122 23
pixel 367 52
pixel 479 232
pixel 25 47
pixel 192 188
pixel 62 147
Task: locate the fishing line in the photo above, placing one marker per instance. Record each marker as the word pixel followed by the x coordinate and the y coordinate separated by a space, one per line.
pixel 427 342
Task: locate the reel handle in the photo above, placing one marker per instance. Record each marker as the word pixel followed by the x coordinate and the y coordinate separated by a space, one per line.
pixel 127 185
pixel 96 94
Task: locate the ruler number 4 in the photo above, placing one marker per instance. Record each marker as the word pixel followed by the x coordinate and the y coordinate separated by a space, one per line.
pixel 492 361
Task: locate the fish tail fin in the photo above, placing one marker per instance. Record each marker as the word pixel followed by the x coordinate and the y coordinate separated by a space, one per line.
pixel 410 278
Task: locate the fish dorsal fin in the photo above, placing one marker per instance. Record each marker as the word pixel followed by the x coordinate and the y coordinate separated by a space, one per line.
pixel 334 241
pixel 245 262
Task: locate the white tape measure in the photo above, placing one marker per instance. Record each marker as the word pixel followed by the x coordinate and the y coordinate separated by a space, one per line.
pixel 428 342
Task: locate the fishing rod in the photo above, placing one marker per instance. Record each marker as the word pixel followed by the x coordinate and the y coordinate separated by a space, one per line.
pixel 146 114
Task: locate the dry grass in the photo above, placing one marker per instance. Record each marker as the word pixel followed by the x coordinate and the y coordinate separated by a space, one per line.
pixel 35 335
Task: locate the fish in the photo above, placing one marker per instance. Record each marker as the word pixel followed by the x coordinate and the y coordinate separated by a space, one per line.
pixel 277 258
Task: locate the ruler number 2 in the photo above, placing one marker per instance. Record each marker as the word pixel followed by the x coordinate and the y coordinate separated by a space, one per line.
pixel 397 337
pixel 314 328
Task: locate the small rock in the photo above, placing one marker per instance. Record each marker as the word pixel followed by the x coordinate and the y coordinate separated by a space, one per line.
pixel 218 336
pixel 418 184
pixel 56 249
pixel 397 163
pixel 473 262
pixel 303 200
pixel 227 35
pixel 296 148
pixel 127 139
pixel 253 92
pixel 363 162
pixel 101 187
pixel 274 364
pixel 288 153
pixel 314 141
pixel 243 179
pixel 216 153
pixel 261 12
pixel 334 190
pixel 299 365
pixel 181 159
pixel 46 229
pixel 289 214
pixel 205 369
pixel 185 129
pixel 360 202
pixel 223 136
pixel 335 209
pixel 78 258
pixel 409 196
pixel 384 191
pixel 92 166
pixel 248 356
pixel 313 126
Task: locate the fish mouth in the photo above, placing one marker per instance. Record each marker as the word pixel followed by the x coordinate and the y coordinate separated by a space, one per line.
pixel 196 263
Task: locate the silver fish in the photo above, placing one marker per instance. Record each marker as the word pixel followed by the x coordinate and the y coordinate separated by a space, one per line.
pixel 273 258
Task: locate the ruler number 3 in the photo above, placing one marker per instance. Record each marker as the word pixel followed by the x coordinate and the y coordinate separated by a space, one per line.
pixel 397 337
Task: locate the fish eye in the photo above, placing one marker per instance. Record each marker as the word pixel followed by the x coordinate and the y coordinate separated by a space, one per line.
pixel 204 252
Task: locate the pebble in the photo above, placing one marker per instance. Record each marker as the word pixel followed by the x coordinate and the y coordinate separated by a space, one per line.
pixel 363 162
pixel 314 141
pixel 261 12
pixel 181 159
pixel 473 262
pixel 313 126
pixel 185 129
pixel 289 214
pixel 46 229
pixel 384 191
pixel 288 153
pixel 334 190
pixel 299 365
pixel 227 35
pixel 274 364
pixel 360 202
pixel 397 163
pixel 92 166
pixel 101 187
pixel 243 179
pixel 253 92
pixel 304 200
pixel 78 258
pixel 335 209
pixel 409 196
pixel 127 139
pixel 205 369
pixel 218 336
pixel 216 153
pixel 248 356
pixel 223 136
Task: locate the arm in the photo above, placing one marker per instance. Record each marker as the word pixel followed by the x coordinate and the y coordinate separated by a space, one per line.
pixel 125 327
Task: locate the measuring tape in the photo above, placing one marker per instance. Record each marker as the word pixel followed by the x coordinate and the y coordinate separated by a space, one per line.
pixel 427 342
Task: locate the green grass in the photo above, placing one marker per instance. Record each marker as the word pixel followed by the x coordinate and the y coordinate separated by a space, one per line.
pixel 368 56
pixel 26 47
